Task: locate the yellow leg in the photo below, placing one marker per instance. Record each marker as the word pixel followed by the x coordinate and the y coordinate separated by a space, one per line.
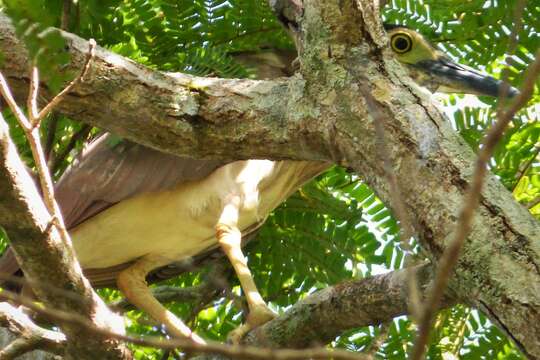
pixel 132 282
pixel 230 239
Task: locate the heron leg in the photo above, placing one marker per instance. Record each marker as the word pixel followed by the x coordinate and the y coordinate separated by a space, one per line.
pixel 230 240
pixel 132 283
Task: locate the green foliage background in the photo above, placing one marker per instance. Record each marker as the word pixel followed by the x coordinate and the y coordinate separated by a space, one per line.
pixel 335 228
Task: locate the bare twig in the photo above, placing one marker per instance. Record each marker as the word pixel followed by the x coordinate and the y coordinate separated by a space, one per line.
pixel 533 203
pixel 66 11
pixel 82 134
pixel 525 167
pixel 30 336
pixel 31 130
pixel 49 140
pixel 32 99
pixel 80 78
pixel 232 351
pixel 8 97
pixel 472 199
pixel 379 340
pixel 53 123
pixel 511 48
pixel 31 126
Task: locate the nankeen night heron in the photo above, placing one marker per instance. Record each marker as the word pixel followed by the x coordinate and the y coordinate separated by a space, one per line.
pixel 131 209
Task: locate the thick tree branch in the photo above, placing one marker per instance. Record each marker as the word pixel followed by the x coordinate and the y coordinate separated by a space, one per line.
pixel 174 112
pixel 323 316
pixel 326 314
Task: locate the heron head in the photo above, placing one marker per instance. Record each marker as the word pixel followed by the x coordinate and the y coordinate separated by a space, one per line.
pixel 433 69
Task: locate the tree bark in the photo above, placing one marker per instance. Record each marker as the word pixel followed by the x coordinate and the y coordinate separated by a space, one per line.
pixel 321 317
pixel 320 114
pixel 29 337
pixel 48 262
pixel 6 338
pixel 328 313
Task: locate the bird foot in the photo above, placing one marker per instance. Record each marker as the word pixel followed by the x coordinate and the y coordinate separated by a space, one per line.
pixel 259 315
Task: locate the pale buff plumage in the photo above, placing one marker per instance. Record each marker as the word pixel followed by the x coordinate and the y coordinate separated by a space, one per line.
pixel 174 224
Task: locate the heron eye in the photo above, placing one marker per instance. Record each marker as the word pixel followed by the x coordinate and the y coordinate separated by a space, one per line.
pixel 401 43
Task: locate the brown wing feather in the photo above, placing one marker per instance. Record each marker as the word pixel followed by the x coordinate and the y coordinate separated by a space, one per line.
pixel 109 171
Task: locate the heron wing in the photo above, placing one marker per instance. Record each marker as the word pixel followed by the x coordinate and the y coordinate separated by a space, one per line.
pixel 110 170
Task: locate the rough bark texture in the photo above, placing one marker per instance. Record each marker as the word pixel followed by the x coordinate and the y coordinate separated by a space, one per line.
pixel 177 113
pixel 49 262
pixel 323 316
pixel 499 269
pixel 29 336
pixel 321 115
pixel 7 338
pixel 326 314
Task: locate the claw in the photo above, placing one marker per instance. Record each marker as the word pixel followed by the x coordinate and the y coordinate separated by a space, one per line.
pixel 259 315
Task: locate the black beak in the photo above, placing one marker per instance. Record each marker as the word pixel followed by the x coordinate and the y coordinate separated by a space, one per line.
pixel 455 78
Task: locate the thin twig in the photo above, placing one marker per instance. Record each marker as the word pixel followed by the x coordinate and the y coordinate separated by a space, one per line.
pixel 523 169
pixel 80 78
pixel 533 203
pixel 66 11
pixel 31 126
pixel 378 341
pixel 472 199
pixel 30 336
pixel 49 140
pixel 15 109
pixel 31 130
pixel 32 98
pixel 82 134
pixel 232 351
pixel 32 134
pixel 512 45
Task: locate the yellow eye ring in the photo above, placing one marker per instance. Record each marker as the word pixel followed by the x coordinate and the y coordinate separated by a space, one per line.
pixel 401 43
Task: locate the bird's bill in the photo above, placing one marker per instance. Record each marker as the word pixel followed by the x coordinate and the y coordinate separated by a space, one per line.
pixel 455 78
